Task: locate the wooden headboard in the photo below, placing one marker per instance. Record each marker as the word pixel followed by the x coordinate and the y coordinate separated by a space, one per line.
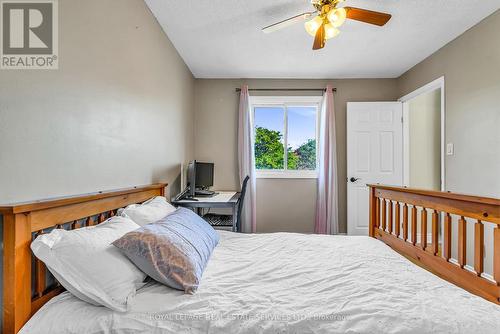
pixel 23 222
pixel 394 219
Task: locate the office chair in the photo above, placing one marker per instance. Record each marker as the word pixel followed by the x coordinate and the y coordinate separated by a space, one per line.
pixel 220 220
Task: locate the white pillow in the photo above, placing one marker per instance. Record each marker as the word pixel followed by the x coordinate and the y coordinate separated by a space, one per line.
pixel 86 263
pixel 148 212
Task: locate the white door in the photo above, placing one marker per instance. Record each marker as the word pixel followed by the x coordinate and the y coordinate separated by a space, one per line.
pixel 374 155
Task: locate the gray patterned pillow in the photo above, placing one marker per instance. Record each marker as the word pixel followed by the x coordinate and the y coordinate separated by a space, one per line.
pixel 174 250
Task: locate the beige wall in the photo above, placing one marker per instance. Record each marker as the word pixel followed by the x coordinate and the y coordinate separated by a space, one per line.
pixel 471 67
pixel 118 112
pixel 285 205
pixel 425 141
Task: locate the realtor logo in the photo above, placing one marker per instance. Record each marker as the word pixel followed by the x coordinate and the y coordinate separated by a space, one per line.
pixel 29 38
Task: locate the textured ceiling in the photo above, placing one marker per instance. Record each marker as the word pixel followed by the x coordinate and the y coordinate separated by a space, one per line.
pixel 223 38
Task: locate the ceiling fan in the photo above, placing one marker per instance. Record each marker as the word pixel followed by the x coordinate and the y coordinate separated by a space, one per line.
pixel 327 18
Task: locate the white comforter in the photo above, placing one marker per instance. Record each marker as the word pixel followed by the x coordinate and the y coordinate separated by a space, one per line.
pixel 289 283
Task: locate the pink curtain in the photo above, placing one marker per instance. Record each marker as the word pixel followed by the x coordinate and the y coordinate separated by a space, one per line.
pixel 327 199
pixel 246 160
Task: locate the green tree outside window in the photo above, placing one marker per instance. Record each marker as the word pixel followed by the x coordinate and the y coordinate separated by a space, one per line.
pixel 269 152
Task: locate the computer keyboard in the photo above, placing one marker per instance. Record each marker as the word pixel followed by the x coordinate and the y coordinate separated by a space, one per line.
pixel 206 193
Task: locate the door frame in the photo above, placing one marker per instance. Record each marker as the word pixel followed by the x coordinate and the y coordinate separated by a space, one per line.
pixel 439 83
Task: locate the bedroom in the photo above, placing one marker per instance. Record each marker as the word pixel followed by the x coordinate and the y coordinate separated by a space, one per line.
pixel 138 89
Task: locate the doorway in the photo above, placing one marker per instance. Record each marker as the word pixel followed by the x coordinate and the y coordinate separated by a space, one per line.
pixel 423 137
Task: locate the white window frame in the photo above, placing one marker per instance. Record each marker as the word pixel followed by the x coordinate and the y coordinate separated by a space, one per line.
pixel 288 101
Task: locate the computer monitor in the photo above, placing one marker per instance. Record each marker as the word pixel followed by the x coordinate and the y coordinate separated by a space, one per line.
pixel 204 175
pixel 191 178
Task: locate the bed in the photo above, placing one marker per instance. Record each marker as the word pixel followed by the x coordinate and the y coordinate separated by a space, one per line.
pixel 275 283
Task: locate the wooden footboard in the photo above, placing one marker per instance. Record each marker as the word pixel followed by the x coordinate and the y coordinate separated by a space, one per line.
pixel 419 224
pixel 25 288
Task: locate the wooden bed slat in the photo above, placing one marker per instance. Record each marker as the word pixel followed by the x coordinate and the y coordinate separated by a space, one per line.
pixel 479 247
pixel 384 212
pixel 40 277
pixel 390 219
pixel 40 281
pixel 74 225
pixel 435 233
pixel 373 211
pixel 423 229
pixel 462 242
pixel 414 225
pixel 447 237
pixel 377 205
pixel 397 222
pixel 405 222
pixel 496 255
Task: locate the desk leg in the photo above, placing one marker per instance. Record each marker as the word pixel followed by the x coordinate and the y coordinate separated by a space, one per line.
pixel 235 228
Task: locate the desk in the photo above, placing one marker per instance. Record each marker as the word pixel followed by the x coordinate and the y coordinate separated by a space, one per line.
pixel 224 199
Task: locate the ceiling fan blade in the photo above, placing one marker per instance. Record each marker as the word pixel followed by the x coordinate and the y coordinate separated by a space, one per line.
pixel 319 39
pixel 367 16
pixel 287 22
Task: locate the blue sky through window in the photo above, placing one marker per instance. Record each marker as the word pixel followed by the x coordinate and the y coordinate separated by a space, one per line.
pixel 301 125
pixel 272 118
pixel 301 122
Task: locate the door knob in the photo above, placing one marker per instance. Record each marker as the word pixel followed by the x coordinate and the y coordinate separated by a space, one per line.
pixel 354 179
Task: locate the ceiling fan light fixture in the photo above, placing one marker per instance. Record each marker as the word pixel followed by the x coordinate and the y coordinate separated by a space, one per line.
pixel 328 18
pixel 313 25
pixel 337 16
pixel 331 31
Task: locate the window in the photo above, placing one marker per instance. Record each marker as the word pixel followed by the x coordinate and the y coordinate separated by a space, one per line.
pixel 289 122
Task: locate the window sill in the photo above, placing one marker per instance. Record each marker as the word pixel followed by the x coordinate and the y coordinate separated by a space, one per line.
pixel 260 174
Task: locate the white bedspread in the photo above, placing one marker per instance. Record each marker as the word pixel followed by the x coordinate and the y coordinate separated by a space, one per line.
pixel 289 283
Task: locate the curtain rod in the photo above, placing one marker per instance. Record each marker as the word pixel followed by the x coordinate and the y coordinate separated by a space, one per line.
pixel 286 89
